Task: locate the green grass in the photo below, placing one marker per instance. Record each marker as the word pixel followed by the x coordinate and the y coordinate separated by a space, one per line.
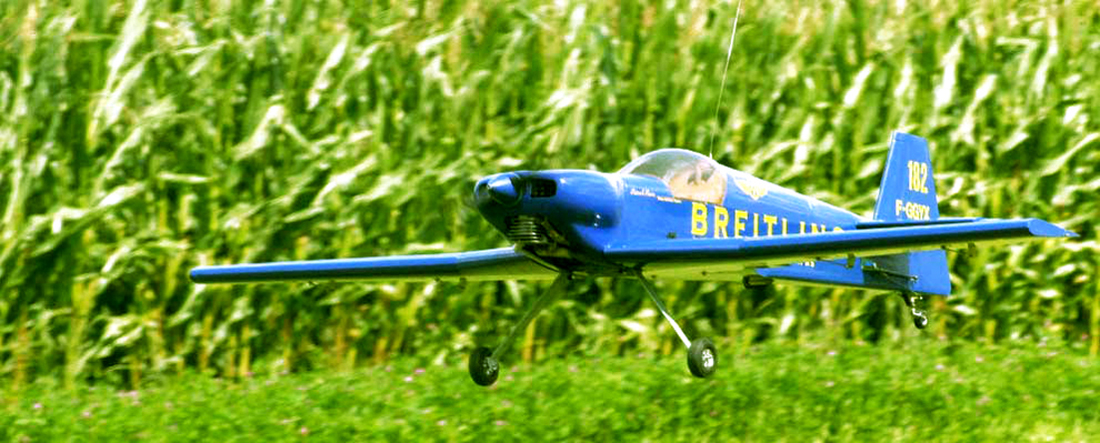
pixel 917 390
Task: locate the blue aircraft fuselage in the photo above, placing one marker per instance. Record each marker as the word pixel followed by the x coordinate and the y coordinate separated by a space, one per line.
pixel 568 218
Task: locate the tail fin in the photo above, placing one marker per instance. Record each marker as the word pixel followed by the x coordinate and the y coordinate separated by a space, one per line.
pixel 908 193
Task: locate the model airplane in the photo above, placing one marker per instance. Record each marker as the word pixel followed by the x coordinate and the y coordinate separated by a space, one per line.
pixel 678 214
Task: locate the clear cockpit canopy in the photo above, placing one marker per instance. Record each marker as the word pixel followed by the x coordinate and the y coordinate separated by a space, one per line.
pixel 689 175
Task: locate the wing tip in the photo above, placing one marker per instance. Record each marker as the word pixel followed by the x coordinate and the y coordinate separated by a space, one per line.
pixel 198 275
pixel 1043 228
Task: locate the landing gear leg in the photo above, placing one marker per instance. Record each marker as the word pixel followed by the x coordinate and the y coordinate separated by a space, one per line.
pixel 484 364
pixel 917 308
pixel 702 357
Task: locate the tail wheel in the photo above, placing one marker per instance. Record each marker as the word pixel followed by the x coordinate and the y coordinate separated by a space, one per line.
pixel 920 320
pixel 702 357
pixel 484 369
pixel 917 309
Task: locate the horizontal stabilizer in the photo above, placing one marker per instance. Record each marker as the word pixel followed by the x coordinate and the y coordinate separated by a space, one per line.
pixel 492 264
pixel 730 254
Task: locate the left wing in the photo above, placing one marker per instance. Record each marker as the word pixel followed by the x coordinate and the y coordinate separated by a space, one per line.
pixel 728 255
pixel 491 264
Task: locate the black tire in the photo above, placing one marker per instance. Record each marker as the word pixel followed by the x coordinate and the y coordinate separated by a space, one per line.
pixel 484 369
pixel 702 358
pixel 920 320
pixel 916 307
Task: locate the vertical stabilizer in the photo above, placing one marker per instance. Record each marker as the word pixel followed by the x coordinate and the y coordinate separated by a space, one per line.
pixel 908 193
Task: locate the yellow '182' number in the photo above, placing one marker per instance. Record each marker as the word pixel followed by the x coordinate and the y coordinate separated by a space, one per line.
pixel 918 176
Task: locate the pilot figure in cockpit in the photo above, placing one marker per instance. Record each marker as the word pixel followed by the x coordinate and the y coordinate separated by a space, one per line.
pixel 700 181
pixel 688 175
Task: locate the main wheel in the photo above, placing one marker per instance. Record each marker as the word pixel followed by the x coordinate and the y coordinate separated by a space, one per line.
pixel 483 367
pixel 702 357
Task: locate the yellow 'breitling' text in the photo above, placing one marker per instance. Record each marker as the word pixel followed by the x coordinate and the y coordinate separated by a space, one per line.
pixel 745 224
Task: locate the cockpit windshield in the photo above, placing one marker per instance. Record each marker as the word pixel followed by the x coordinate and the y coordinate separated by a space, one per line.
pixel 689 175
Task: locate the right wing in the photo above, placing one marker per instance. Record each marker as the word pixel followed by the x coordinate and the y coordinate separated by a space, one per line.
pixel 491 264
pixel 692 258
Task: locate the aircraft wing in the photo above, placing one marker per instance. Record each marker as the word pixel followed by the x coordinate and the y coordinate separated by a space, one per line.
pixel 722 255
pixel 491 264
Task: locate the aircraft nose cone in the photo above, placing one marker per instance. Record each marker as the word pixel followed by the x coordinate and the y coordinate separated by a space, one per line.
pixel 500 188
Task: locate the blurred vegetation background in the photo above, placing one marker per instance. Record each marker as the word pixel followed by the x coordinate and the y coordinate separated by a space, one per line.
pixel 139 139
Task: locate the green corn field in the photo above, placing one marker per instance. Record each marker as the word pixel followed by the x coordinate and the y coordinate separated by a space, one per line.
pixel 139 139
